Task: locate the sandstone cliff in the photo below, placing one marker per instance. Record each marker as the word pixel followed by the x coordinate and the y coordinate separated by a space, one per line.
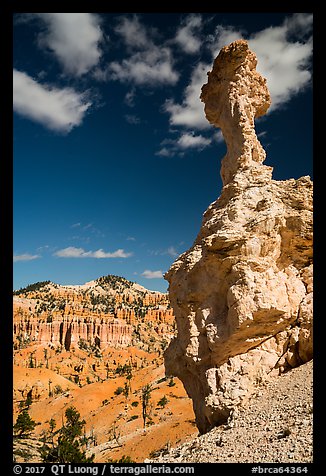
pixel 67 331
pixel 109 311
pixel 242 295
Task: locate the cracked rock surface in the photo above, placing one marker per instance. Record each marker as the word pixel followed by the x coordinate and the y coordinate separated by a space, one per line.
pixel 242 294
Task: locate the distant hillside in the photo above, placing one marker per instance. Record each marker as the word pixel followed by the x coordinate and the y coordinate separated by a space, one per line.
pixel 107 294
pixel 31 287
pixel 95 346
pixel 108 311
pixel 109 283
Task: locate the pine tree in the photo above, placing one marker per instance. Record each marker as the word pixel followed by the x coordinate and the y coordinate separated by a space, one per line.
pixel 145 398
pixel 129 376
pixel 24 424
pixel 163 402
pixel 69 442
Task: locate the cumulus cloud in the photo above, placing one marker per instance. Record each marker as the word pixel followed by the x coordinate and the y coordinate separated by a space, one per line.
pixel 56 109
pixel 153 66
pixel 190 112
pixel 72 252
pixel 147 63
pixel 132 32
pixel 74 38
pixel 148 274
pixel 283 62
pixel 25 257
pixel 186 140
pixel 284 53
pixel 187 36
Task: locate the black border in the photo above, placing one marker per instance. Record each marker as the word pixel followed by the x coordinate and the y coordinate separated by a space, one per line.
pixel 7 9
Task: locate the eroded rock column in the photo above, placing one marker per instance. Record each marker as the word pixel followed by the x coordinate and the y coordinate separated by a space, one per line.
pixel 234 96
pixel 242 294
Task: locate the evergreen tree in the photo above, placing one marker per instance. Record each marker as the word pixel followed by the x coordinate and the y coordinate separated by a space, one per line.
pixel 69 441
pixel 24 424
pixel 129 376
pixel 163 402
pixel 145 398
pixel 29 400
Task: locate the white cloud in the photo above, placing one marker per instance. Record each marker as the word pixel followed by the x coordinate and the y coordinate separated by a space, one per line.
pixel 218 136
pixel 187 35
pixel 132 119
pixel 262 134
pixel 148 274
pixel 153 66
pixel 284 53
pixel 282 61
pixel 72 252
pixel 25 257
pixel 74 39
pixel 165 152
pixel 132 32
pixel 171 251
pixel 147 64
pixel 88 226
pixel 299 24
pixel 56 109
pixel 130 98
pixel 188 140
pixel 190 112
pixel 223 36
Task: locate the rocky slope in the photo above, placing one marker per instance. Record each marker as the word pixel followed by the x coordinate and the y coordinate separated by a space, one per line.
pixel 242 294
pixel 81 346
pixel 275 427
pixel 114 424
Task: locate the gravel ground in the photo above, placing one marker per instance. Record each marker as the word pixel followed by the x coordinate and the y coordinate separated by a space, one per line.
pixel 274 427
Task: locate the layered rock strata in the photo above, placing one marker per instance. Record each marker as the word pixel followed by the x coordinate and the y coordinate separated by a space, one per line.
pixel 68 331
pixel 104 312
pixel 242 294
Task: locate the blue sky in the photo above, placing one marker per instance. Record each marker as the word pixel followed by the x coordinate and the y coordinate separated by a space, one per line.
pixel 114 161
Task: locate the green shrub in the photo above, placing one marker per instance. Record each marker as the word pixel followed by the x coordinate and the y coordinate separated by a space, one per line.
pixel 118 391
pixel 161 403
pixel 133 417
pixel 171 382
pixel 123 459
pixel 58 389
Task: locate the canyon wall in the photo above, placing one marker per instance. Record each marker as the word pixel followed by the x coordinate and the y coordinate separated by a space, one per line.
pixel 65 316
pixel 69 330
pixel 242 294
